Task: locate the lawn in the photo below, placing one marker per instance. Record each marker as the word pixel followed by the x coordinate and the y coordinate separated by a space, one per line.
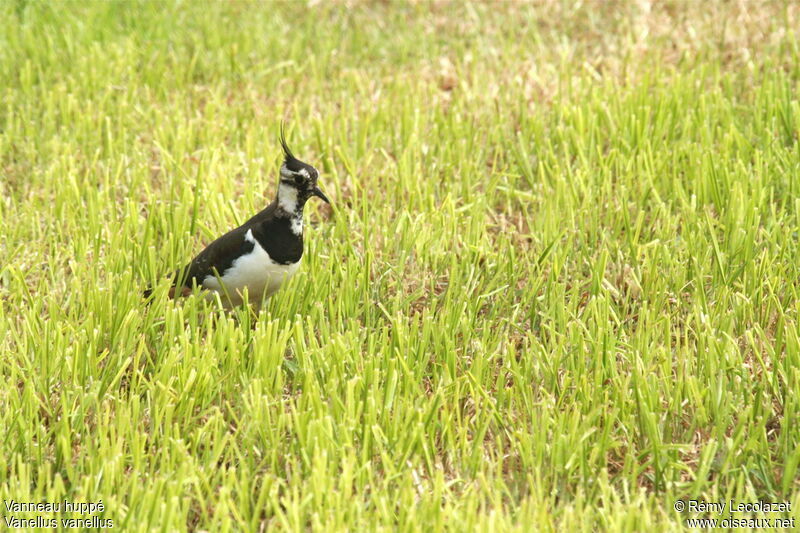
pixel 557 289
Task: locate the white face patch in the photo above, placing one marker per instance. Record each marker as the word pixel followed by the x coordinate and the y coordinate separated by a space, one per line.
pixel 256 272
pixel 286 173
pixel 287 198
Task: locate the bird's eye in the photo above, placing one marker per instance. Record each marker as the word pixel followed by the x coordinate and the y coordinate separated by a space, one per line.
pixel 298 179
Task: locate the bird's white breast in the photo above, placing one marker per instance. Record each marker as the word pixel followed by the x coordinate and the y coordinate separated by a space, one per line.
pixel 256 272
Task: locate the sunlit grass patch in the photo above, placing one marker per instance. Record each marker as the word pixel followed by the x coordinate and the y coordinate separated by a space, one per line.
pixel 556 289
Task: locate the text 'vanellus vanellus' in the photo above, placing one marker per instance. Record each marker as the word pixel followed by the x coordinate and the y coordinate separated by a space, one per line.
pixel 264 252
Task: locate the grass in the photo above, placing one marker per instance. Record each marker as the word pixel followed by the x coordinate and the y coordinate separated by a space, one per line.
pixel 557 289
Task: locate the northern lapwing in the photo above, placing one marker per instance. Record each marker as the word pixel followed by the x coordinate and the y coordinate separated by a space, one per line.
pixel 264 252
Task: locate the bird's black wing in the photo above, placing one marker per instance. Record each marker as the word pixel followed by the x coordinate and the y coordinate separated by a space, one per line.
pixel 215 259
pixel 218 256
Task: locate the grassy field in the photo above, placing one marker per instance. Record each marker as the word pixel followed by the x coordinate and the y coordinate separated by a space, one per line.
pixel 557 288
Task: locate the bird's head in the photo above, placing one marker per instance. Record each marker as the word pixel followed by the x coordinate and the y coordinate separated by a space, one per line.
pixel 298 178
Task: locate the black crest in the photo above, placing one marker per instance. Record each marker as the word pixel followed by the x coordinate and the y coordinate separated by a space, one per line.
pixel 291 162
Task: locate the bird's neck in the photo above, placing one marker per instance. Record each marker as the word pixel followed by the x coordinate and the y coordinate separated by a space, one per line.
pixel 290 205
pixel 290 201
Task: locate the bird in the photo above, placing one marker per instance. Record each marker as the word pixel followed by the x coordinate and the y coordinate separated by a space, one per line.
pixel 263 253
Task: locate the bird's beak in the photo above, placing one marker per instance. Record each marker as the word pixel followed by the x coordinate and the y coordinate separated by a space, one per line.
pixel 318 193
